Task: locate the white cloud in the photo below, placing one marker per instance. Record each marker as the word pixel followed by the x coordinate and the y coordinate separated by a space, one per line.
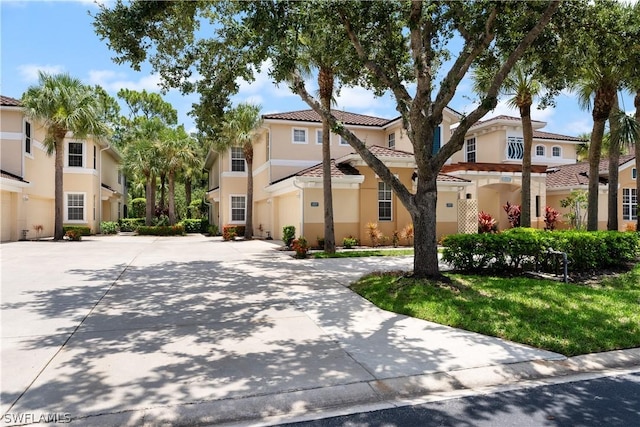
pixel 29 72
pixel 113 81
pixel 357 97
pixel 578 127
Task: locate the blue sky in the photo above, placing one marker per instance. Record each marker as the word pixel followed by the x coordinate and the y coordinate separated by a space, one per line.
pixel 58 36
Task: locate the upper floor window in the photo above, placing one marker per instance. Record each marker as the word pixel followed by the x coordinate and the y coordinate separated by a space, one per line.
pixel 75 154
pixel 119 177
pixel 237 159
pixel 515 148
pixel 343 141
pixel 540 150
pixel 299 136
pixel 634 173
pixel 95 157
pixel 437 140
pixel 319 136
pixel 384 201
pixel 27 137
pixel 556 152
pixel 391 140
pixel 470 151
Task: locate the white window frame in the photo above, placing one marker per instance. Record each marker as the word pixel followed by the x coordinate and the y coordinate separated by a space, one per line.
pixel 236 150
pixel 342 142
pixel 386 189
pixel 628 197
pixel 306 135
pixel 319 137
pixel 231 208
pixel 544 151
pixel 68 154
pixel 559 151
pixel 27 138
pixel 391 140
pixel 84 208
pixel 467 151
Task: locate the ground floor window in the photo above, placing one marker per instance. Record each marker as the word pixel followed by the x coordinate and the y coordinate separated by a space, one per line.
pixel 75 207
pixel 238 208
pixel 629 204
pixel 384 202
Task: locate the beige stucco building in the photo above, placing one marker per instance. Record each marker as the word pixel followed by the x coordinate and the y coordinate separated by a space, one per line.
pixel 94 187
pixel 483 176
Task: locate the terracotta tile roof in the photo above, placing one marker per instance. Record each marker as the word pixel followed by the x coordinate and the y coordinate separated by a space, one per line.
pixel 9 102
pixel 451 178
pixel 343 116
pixel 339 170
pixel 379 151
pixel 490 167
pixel 578 174
pixel 498 118
pixel 549 135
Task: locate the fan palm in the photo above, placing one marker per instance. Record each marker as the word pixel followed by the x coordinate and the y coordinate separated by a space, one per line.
pixel 239 129
pixel 63 104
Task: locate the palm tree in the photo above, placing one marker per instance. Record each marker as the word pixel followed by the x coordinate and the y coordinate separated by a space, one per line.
pixel 63 104
pixel 522 85
pixel 239 129
pixel 600 83
pixel 176 149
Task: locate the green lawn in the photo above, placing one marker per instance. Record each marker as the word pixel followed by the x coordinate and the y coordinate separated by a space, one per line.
pixel 570 319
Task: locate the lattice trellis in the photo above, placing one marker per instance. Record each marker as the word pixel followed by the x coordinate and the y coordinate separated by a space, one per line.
pixel 467 216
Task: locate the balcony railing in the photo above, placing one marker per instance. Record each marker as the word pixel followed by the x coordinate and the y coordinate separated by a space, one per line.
pixel 515 148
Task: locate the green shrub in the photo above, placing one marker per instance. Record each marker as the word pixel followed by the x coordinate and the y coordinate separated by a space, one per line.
pixel 80 229
pixel 74 235
pixel 109 227
pixel 138 208
pixel 161 230
pixel 320 242
pixel 130 224
pixel 349 242
pixel 301 246
pixel 213 230
pixel 526 248
pixel 192 225
pixel 204 225
pixel 288 234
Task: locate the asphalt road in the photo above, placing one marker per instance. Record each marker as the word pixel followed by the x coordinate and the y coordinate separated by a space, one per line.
pixel 607 401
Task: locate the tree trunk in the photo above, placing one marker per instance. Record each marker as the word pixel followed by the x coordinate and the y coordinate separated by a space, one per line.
pixel 527 133
pixel 614 164
pixel 150 205
pixel 248 230
pixel 163 181
pixel 187 195
pixel 602 104
pixel 325 83
pixel 425 260
pixel 636 103
pixel 172 198
pixel 58 230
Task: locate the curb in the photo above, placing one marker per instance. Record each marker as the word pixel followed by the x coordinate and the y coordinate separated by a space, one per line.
pixel 283 407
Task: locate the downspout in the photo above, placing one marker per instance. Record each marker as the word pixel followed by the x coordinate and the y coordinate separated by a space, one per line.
pixel 100 188
pixel 301 207
pixel 206 202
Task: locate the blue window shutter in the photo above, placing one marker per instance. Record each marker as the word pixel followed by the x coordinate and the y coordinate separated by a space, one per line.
pixel 436 140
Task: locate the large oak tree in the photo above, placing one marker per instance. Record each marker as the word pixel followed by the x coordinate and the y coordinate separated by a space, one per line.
pixel 396 47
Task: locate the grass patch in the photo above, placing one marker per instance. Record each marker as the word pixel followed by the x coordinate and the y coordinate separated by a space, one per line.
pixel 368 253
pixel 570 319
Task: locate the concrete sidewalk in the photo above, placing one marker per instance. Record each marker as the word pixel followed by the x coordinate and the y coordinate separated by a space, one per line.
pixel 124 330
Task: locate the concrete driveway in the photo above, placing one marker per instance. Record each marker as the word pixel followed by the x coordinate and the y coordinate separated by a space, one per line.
pixel 133 330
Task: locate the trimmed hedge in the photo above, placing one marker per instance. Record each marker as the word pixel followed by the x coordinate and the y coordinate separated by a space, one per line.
pixel 527 249
pixel 230 232
pixel 109 227
pixel 130 224
pixel 161 230
pixel 195 225
pixel 82 230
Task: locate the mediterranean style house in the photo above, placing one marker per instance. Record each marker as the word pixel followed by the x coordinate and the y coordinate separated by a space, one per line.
pixel 94 187
pixel 483 176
